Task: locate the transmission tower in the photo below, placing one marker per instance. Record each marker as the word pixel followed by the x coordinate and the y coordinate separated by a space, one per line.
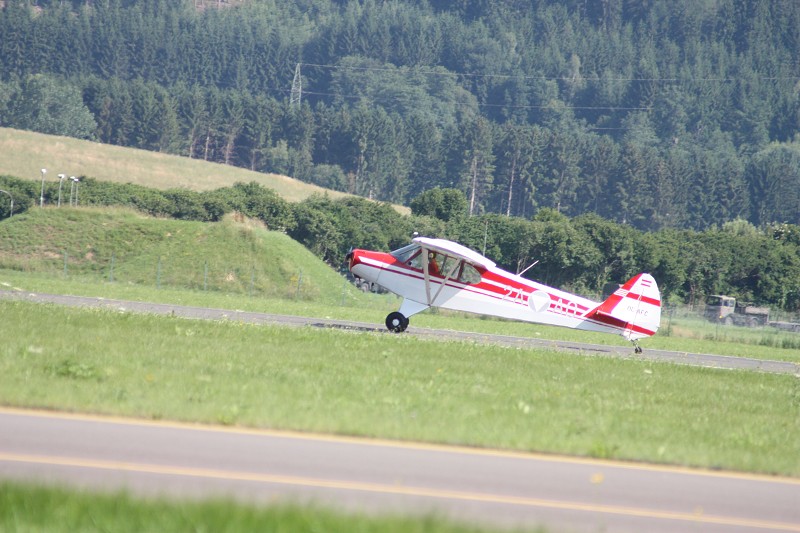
pixel 297 88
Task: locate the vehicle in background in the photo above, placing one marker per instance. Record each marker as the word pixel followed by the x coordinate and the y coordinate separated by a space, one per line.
pixel 726 310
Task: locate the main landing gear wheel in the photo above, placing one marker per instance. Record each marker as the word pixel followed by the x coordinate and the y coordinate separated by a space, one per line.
pixel 396 322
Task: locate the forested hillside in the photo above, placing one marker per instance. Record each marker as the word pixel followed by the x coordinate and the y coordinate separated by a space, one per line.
pixel 654 113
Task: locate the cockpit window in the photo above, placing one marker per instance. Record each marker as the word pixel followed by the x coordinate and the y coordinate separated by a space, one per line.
pixel 405 253
pixel 469 274
pixel 439 264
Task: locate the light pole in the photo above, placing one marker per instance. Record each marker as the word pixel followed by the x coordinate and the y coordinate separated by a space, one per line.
pixel 10 213
pixel 41 196
pixel 75 186
pixel 60 183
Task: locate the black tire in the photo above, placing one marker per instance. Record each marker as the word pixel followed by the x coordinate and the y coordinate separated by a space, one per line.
pixel 396 322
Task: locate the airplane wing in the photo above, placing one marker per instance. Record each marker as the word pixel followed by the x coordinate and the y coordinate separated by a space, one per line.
pixel 454 249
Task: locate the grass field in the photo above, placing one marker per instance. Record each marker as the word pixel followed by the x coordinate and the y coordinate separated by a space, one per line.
pixel 233 257
pixel 341 302
pixel 28 509
pixel 397 387
pixel 25 153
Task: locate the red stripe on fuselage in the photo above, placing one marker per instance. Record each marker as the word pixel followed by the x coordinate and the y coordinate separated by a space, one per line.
pixel 389 263
pixel 614 322
pixel 621 325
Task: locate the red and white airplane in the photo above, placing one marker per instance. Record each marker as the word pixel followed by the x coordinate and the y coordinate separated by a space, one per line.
pixel 441 273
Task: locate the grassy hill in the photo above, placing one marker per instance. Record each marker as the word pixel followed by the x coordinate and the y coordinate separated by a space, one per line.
pixel 233 256
pixel 23 154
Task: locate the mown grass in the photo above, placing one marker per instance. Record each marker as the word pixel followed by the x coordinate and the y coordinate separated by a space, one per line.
pixel 339 301
pixel 391 386
pixel 54 510
pixel 698 329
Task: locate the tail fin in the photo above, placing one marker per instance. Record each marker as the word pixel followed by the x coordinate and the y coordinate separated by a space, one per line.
pixel 634 308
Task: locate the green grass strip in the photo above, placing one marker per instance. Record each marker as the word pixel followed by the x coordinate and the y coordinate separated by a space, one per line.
pixel 54 510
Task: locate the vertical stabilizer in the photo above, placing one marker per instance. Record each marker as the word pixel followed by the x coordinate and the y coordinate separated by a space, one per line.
pixel 634 308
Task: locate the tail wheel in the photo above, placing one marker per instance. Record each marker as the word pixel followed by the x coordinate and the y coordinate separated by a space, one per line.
pixel 396 322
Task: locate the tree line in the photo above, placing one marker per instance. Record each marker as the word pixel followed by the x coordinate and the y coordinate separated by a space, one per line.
pixel 583 253
pixel 660 114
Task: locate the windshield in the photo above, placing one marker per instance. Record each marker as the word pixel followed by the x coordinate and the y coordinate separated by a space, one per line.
pixel 406 253
pixel 720 301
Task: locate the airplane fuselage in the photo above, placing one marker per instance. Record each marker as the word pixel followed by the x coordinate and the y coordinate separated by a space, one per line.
pixel 489 290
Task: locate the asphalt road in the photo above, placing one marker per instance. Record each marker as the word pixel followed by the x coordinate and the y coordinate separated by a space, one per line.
pixel 205 313
pixel 475 486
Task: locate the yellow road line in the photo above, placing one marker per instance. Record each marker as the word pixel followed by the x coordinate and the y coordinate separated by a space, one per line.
pixel 408 445
pixel 396 490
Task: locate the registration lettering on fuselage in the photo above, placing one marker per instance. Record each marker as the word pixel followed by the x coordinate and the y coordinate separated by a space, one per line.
pixel 563 306
pixel 517 296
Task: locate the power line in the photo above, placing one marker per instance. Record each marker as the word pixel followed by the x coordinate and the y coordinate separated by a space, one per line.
pixel 543 78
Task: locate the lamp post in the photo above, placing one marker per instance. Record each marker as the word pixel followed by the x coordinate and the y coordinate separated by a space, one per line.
pixel 41 196
pixel 60 183
pixel 10 213
pixel 75 186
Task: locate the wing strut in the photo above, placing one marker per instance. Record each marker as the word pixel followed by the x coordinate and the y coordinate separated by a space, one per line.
pixel 426 272
pixel 447 278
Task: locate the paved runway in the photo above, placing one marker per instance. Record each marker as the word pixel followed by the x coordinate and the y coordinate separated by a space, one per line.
pixel 205 313
pixel 476 486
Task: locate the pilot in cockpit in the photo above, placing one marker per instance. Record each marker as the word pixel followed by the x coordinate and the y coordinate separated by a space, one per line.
pixel 433 266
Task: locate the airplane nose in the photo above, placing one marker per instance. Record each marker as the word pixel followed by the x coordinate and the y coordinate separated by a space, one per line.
pixel 353 258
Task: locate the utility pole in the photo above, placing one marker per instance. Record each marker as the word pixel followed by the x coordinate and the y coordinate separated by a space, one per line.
pixel 297 88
